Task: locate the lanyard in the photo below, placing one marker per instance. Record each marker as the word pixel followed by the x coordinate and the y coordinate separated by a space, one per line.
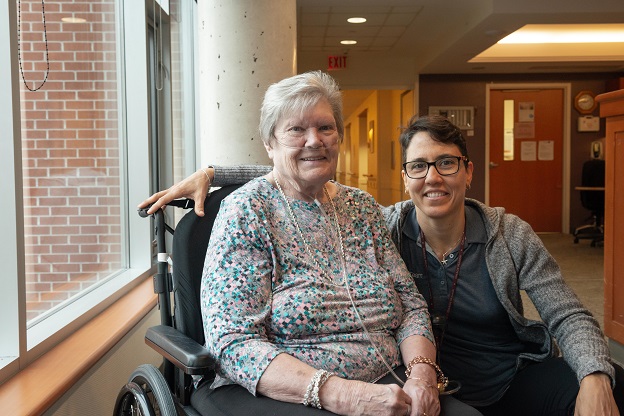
pixel 439 337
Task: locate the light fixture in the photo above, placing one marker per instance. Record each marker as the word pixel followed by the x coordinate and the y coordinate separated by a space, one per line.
pixel 348 42
pixel 356 20
pixel 73 19
pixel 566 33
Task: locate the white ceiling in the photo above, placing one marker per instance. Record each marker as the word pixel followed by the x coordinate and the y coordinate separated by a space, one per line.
pixel 441 36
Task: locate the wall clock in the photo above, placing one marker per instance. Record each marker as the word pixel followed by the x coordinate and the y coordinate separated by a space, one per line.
pixel 584 102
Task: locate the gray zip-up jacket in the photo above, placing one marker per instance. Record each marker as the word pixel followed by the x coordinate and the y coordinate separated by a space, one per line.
pixel 516 260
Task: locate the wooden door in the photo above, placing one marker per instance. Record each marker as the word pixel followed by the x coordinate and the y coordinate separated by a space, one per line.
pixel 526 159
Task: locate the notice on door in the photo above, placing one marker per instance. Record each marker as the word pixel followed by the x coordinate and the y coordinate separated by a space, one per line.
pixel 526 111
pixel 528 150
pixel 546 150
pixel 524 130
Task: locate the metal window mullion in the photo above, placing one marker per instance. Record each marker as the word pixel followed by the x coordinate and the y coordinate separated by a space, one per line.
pixel 12 256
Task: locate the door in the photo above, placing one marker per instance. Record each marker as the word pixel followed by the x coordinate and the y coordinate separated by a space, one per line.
pixel 526 155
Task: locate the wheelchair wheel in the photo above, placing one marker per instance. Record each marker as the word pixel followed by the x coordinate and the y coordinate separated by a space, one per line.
pixel 145 394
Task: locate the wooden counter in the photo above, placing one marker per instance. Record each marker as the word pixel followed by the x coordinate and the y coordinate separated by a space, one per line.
pixel 612 109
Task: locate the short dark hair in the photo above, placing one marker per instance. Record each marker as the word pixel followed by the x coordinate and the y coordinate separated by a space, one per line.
pixel 439 128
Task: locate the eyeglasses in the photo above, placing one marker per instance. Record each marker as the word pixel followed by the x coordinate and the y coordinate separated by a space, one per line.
pixel 296 137
pixel 445 166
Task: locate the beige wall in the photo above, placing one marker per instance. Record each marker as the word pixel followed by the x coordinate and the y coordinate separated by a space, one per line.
pixel 96 391
pixel 378 168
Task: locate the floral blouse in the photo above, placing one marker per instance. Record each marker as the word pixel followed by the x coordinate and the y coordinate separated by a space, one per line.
pixel 264 292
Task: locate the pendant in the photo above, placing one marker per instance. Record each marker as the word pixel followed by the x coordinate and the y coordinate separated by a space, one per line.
pixel 438 321
pixel 444 261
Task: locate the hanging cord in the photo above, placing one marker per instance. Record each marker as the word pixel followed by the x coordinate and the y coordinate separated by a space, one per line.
pixel 19 43
pixel 348 289
pixel 159 48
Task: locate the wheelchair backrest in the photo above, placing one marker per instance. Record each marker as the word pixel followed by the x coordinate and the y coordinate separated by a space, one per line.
pixel 190 242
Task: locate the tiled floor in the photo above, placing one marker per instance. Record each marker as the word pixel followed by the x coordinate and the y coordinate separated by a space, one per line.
pixel 582 267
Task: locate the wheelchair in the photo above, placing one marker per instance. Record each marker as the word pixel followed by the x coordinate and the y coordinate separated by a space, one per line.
pixel 180 336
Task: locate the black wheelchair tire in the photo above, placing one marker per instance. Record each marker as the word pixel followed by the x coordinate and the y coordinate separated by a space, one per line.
pixel 146 393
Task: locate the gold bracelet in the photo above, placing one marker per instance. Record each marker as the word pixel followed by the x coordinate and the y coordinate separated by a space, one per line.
pixel 442 380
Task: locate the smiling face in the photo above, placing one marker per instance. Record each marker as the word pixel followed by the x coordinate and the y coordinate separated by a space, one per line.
pixel 305 148
pixel 436 197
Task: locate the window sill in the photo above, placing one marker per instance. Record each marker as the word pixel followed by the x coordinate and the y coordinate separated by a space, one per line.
pixel 38 386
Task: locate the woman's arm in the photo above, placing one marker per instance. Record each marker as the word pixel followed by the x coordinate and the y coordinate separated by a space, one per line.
pixel 197 185
pixel 287 379
pixel 577 333
pixel 421 384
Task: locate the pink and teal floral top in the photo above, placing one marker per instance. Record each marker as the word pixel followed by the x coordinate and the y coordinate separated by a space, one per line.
pixel 262 295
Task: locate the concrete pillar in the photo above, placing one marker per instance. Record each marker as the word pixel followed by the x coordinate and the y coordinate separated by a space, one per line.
pixel 244 46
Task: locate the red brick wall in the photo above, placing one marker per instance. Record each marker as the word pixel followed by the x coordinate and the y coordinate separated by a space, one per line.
pixel 70 144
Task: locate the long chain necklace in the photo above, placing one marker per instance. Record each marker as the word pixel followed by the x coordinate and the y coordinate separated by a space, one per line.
pixel 305 242
pixel 344 268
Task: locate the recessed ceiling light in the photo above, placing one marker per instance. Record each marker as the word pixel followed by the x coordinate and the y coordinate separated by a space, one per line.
pixel 71 19
pixel 348 42
pixel 356 20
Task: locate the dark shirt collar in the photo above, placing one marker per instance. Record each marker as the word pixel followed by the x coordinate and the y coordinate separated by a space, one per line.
pixel 475 228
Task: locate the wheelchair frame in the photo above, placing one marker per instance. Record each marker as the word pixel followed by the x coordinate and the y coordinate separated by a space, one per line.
pixel 167 391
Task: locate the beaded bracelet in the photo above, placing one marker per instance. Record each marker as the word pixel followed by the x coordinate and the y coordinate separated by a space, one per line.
pixel 442 380
pixel 207 176
pixel 311 397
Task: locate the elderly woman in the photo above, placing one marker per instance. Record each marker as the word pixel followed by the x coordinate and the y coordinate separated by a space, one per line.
pixel 304 297
pixel 470 262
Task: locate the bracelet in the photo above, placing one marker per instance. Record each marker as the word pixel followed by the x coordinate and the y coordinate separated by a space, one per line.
pixel 311 397
pixel 442 380
pixel 207 176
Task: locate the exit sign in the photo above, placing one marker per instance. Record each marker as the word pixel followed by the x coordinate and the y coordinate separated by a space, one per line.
pixel 337 62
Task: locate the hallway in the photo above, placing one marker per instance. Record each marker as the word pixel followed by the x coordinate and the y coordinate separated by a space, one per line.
pixel 582 268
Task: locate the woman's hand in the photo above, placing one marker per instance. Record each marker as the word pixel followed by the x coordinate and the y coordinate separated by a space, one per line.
pixel 195 187
pixel 595 397
pixel 425 397
pixel 349 397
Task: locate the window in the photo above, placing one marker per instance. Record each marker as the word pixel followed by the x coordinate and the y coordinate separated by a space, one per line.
pixel 78 113
pixel 70 150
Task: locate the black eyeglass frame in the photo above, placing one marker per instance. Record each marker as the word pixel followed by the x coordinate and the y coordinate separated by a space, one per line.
pixel 435 165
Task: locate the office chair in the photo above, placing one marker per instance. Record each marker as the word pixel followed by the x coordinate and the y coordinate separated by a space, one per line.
pixel 593 175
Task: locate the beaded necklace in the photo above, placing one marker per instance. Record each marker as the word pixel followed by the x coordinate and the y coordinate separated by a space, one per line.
pixel 305 242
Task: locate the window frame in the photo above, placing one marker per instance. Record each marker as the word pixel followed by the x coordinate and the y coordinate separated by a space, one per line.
pixel 20 345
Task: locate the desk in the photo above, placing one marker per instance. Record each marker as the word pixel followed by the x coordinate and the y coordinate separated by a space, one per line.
pixel 589 188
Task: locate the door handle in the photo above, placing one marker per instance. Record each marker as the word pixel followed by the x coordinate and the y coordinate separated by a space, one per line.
pixel 493 165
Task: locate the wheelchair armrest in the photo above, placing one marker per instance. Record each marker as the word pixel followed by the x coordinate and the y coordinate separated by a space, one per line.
pixel 183 351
